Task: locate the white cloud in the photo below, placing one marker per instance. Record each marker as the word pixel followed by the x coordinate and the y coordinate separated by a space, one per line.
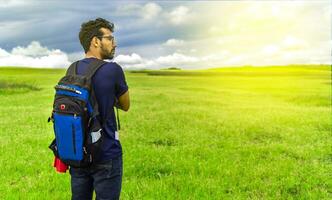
pixel 173 42
pixel 270 50
pixel 328 13
pixel 176 59
pixel 128 10
pixel 235 60
pixel 3 53
pixel 215 29
pixel 154 12
pixel 129 59
pixel 150 10
pixel 293 43
pixel 179 15
pixel 34 55
pixel 11 3
pixel 34 49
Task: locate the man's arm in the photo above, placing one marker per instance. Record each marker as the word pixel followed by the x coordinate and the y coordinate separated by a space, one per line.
pixel 124 102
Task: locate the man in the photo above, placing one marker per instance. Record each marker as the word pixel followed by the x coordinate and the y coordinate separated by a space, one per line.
pixel 105 176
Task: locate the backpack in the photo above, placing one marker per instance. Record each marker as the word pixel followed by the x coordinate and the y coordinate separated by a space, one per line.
pixel 75 117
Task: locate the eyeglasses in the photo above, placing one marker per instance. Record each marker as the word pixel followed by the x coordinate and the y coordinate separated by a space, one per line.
pixel 109 37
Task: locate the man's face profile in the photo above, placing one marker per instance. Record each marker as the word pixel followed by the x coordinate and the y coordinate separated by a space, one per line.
pixel 108 45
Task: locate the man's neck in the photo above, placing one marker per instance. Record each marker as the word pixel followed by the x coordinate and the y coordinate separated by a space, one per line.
pixel 92 55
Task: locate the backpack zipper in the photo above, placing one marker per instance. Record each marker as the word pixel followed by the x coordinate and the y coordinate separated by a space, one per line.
pixel 73 135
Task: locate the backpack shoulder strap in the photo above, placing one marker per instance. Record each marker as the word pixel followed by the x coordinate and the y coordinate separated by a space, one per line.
pixel 72 69
pixel 93 67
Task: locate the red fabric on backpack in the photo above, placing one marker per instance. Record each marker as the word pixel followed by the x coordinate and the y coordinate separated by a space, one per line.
pixel 59 165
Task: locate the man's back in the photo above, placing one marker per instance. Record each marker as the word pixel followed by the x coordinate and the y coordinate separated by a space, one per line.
pixel 109 84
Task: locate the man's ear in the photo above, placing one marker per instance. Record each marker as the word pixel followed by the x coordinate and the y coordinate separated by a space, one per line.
pixel 95 41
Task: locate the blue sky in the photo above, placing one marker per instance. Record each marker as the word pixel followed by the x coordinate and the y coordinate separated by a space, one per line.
pixel 159 34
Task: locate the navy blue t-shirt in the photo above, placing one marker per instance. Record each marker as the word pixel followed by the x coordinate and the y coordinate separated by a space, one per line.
pixel 109 83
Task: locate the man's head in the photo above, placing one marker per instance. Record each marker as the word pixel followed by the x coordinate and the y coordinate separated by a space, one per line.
pixel 96 37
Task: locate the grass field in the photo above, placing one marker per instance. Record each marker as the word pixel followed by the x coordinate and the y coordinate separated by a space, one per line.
pixel 245 133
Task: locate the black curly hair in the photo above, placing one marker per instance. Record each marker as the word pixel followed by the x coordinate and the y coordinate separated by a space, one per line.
pixel 92 28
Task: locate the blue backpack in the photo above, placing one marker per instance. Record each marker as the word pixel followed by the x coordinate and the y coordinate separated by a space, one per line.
pixel 75 117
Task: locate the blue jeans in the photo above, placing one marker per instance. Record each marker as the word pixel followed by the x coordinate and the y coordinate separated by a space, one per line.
pixel 104 178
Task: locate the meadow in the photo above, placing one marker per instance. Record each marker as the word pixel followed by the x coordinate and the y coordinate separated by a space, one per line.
pixel 225 133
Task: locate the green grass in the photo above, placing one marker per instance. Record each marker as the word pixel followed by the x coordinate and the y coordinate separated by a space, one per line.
pixel 244 133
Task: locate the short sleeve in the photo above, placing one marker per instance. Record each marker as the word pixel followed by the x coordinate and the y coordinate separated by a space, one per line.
pixel 120 85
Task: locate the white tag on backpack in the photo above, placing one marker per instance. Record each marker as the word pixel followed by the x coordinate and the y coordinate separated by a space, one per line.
pixel 95 136
pixel 116 135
